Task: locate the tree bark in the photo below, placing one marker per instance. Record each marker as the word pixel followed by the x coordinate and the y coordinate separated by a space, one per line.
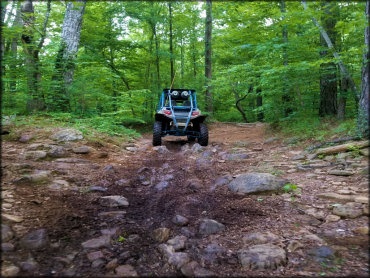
pixel 363 111
pixel 260 115
pixel 157 56
pixel 171 47
pixel 238 104
pixel 13 48
pixel 342 67
pixel 70 39
pixel 208 56
pixel 182 60
pixel 328 71
pixel 343 148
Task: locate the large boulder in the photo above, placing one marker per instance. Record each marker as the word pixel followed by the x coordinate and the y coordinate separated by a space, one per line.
pixel 68 134
pixel 256 182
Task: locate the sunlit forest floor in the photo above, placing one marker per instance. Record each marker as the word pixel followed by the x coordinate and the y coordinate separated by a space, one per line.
pixel 54 191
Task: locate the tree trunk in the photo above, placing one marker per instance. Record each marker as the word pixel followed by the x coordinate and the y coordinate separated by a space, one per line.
pixel 363 111
pixel 14 49
pixel 328 71
pixel 260 115
pixel 342 101
pixel 208 56
pixel 70 39
pixel 342 67
pixel 171 49
pixel 182 61
pixel 238 104
pixel 157 57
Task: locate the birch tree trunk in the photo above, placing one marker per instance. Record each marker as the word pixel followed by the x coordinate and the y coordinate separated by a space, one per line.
pixel 363 113
pixel 208 56
pixel 70 39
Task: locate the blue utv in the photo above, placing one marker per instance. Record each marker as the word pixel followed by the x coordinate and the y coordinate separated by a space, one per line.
pixel 178 115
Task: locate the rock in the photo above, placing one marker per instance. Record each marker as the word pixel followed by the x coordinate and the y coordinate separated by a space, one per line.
pixel 212 252
pixel 125 255
pixel 39 177
pixel 256 182
pixel 194 185
pixel 7 247
pixel 260 238
pixel 6 233
pixel 97 263
pixel 299 157
pixel 340 173
pixel 81 149
pixel 361 199
pixel 112 213
pixel 97 188
pixel 332 218
pixel 365 152
pixel 187 232
pixel 72 160
pixel 270 140
pixel 196 147
pixel 68 134
pixel 161 185
pixel 311 156
pixel 210 226
pixel 184 147
pixel 10 270
pixel 313 238
pixel 12 218
pixel 122 182
pixel 58 185
pixel 29 265
pixel 180 220
pixel 364 230
pixel 317 213
pixel 161 149
pixel 178 259
pixel 188 269
pixel 178 242
pixel 35 240
pixel 322 254
pixel 126 271
pixel 133 238
pixel 161 234
pixel 25 138
pixel 102 241
pixel 112 264
pixel 236 156
pixel 35 155
pixel 57 152
pixel 335 196
pixel 294 245
pixel 166 250
pixel 92 256
pixel 102 155
pixel 131 149
pixel 113 201
pixel 348 210
pixel 263 256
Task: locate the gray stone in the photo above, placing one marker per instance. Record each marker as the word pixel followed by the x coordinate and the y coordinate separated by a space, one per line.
pixel 212 252
pixel 7 247
pixel 340 173
pixel 126 271
pixel 81 149
pixel 57 152
pixel 112 264
pixel 35 240
pixel 29 265
pixel 184 147
pixel 131 149
pixel 6 233
pixel 112 213
pixel 349 210
pixel 161 234
pixel 187 232
pixel 178 242
pixel 122 182
pixel 196 147
pixel 10 270
pixel 256 182
pixel 178 259
pixel 113 201
pixel 260 238
pixel 188 269
pixel 97 263
pixel 161 149
pixel 161 185
pixel 102 241
pixel 299 157
pixel 365 152
pixel 97 188
pixel 35 155
pixel 11 218
pixel 25 138
pixel 263 256
pixel 166 250
pixel 133 238
pixel 210 226
pixel 335 196
pixel 317 213
pixel 92 256
pixel 112 232
pixel 72 160
pixel 322 254
pixel 68 134
pixel 294 245
pixel 236 156
pixel 180 220
pixel 59 185
pixel 270 140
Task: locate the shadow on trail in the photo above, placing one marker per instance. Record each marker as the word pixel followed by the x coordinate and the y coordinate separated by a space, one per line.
pixel 174 145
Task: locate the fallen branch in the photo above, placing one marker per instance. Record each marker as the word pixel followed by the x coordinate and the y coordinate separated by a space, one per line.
pixel 343 148
pixel 340 140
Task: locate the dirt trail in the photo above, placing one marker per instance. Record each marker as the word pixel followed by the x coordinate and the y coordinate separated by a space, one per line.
pixel 179 181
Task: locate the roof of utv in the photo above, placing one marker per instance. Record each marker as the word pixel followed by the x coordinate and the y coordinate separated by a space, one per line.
pixel 166 90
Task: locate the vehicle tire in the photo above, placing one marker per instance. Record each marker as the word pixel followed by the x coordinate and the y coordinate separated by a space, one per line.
pixel 191 139
pixel 157 130
pixel 203 137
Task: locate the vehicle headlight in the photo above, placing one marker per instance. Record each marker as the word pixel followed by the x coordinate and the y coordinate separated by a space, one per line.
pixel 185 94
pixel 175 93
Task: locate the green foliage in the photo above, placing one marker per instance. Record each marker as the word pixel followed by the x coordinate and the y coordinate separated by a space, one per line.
pixel 291 188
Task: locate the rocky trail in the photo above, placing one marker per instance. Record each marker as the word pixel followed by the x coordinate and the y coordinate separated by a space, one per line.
pixel 246 205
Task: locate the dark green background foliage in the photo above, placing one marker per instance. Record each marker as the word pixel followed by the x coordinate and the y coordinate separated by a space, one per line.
pixel 123 44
